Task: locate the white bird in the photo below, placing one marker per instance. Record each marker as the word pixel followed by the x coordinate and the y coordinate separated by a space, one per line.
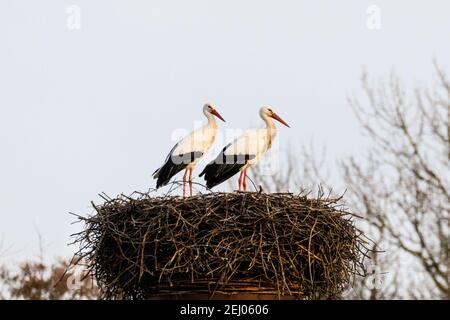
pixel 243 152
pixel 187 152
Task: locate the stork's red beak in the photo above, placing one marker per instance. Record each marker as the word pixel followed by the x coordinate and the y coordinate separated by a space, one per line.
pixel 277 117
pixel 217 114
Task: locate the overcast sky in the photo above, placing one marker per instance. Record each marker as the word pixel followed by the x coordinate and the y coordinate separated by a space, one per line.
pixel 92 110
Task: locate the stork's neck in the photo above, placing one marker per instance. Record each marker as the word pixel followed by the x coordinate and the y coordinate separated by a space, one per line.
pixel 211 120
pixel 271 130
pixel 270 125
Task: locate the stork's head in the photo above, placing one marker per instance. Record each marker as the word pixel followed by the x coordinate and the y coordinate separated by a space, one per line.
pixel 210 108
pixel 268 112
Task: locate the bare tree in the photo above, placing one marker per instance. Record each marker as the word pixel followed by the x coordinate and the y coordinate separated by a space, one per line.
pixel 403 185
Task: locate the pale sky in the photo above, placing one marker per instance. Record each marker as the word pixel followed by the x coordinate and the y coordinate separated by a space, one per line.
pixel 93 110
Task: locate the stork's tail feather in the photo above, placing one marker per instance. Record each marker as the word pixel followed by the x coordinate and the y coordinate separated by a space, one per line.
pixel 156 173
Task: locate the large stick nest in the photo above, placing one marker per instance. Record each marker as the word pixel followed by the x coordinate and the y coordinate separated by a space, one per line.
pixel 142 247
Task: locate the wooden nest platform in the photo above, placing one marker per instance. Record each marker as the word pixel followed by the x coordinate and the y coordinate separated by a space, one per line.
pixel 220 245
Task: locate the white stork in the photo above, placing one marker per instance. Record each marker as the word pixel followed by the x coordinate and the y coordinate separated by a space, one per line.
pixel 243 152
pixel 187 152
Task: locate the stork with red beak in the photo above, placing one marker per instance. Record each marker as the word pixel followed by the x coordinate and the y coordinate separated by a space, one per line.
pixel 186 153
pixel 243 152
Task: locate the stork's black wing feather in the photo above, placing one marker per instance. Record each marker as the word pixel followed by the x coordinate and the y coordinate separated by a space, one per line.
pixel 173 165
pixel 224 167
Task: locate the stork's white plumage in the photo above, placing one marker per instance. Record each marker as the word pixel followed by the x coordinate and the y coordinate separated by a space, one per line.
pixel 243 152
pixel 187 152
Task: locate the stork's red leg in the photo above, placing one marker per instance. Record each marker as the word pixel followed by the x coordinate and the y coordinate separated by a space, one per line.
pixel 190 180
pixel 240 181
pixel 184 183
pixel 244 179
